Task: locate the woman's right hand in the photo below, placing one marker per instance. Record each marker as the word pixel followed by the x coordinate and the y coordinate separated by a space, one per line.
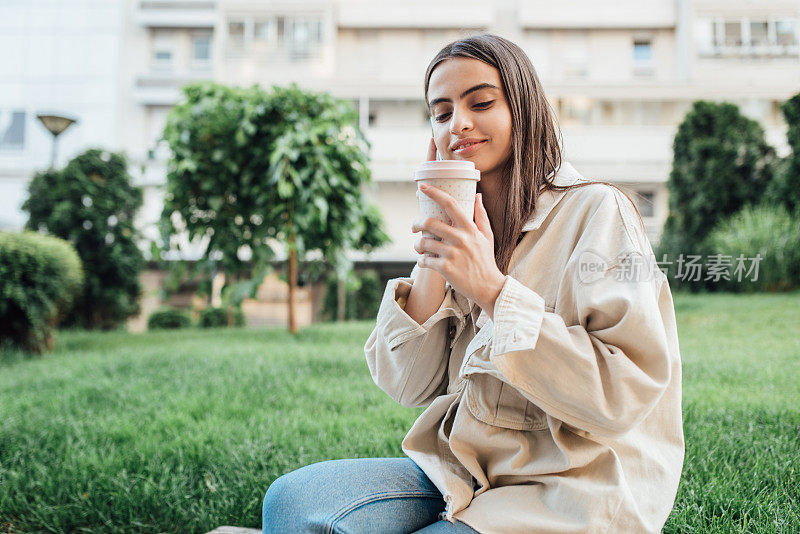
pixel 428 289
pixel 431 156
pixel 431 151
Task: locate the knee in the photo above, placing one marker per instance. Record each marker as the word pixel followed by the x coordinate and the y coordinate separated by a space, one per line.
pixel 276 509
pixel 288 502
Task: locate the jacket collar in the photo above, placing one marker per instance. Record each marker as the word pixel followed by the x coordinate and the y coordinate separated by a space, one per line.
pixel 567 175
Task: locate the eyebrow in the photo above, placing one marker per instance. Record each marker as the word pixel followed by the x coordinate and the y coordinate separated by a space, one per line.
pixel 465 93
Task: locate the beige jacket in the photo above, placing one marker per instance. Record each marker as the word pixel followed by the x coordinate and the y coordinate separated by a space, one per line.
pixel 564 413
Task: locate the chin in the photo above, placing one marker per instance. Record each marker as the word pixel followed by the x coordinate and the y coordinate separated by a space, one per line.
pixel 480 164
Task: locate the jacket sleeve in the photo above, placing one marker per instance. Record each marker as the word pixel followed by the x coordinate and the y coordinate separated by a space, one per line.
pixel 606 373
pixel 408 360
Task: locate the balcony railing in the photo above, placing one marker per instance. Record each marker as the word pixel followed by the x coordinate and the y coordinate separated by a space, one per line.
pixel 163 89
pixel 176 13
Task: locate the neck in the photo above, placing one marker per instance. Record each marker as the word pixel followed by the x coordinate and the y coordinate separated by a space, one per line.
pixel 492 201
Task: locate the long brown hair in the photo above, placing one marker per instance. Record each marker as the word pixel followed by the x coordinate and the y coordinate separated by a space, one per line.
pixel 535 137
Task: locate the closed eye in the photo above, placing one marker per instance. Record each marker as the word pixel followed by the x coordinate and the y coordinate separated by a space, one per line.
pixel 480 105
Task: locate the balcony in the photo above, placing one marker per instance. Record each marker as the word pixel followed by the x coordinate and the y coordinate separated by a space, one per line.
pixel 163 89
pixel 639 14
pixel 617 153
pixel 414 14
pixel 176 13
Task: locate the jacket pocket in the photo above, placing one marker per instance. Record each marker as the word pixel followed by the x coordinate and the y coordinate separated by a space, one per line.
pixel 498 403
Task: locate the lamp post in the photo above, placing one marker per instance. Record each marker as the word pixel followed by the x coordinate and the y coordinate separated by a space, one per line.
pixel 55 125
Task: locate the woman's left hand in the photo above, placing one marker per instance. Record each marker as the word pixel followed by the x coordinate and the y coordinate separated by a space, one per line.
pixel 466 252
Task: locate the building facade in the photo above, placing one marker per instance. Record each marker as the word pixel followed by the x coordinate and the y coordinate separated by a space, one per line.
pixel 620 76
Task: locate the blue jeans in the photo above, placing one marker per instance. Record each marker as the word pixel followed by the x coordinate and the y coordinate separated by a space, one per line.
pixel 370 495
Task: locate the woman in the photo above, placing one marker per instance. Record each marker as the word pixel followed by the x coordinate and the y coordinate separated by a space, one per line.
pixel 541 339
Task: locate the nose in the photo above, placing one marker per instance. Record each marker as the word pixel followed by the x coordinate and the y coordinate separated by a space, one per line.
pixel 460 121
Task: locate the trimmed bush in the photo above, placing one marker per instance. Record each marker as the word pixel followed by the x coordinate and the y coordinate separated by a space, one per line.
pixel 92 204
pixel 169 318
pixel 769 231
pixel 363 299
pixel 212 317
pixel 40 278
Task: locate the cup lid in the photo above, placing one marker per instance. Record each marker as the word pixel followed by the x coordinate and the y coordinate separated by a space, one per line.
pixel 446 169
pixel 446 164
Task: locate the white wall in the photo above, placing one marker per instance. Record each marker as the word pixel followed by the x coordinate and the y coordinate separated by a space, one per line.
pixel 62 57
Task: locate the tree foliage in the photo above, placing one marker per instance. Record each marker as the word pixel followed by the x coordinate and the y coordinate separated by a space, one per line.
pixel 252 167
pixel 785 188
pixel 92 204
pixel 721 162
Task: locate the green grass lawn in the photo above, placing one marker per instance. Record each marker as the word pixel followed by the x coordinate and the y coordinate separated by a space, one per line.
pixel 184 431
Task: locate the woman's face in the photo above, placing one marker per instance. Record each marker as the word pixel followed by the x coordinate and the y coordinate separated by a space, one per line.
pixel 471 117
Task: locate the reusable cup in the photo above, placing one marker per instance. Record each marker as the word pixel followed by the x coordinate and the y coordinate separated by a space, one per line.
pixel 457 178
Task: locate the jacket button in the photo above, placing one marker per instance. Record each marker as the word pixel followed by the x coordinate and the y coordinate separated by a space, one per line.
pixel 452 331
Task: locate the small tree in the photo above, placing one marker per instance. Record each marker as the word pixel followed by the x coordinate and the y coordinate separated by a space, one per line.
pixel 721 163
pixel 92 204
pixel 785 188
pixel 250 166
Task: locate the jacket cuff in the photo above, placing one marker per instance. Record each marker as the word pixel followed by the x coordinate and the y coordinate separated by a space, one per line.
pixel 398 326
pixel 518 315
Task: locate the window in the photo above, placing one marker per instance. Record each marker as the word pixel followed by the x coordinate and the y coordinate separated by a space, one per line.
pixel 747 37
pixel 201 49
pixel 574 110
pixel 642 57
pixel 163 45
pixel 236 31
pixel 12 130
pixel 264 30
pixel 644 203
pixel 642 51
pixel 575 55
pixel 162 59
pixel 292 38
pixel 733 33
pixel 786 32
pixel 759 34
pixel 719 33
pixel 305 35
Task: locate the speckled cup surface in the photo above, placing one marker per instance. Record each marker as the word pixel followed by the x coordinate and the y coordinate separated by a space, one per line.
pixel 457 178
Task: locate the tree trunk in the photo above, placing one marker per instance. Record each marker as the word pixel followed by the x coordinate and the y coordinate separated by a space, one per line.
pixel 217 283
pixel 232 279
pixel 292 284
pixel 341 297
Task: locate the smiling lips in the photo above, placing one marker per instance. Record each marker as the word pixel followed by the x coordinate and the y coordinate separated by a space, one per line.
pixel 468 145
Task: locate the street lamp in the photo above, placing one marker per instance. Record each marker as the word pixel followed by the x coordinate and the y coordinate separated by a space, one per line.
pixel 55 125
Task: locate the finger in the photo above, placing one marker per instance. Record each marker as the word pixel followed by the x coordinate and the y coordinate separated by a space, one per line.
pixel 482 218
pixel 441 229
pixel 431 245
pixel 431 150
pixel 448 204
pixel 437 264
pixel 420 224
